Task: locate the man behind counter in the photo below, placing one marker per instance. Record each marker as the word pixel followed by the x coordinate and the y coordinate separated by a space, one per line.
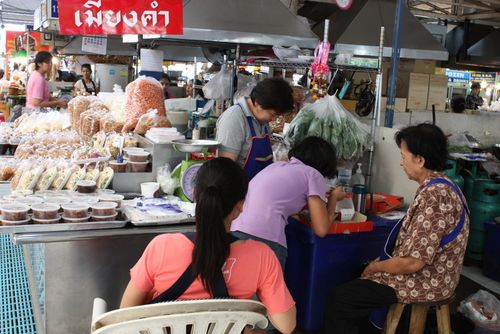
pixel 243 130
pixel 473 100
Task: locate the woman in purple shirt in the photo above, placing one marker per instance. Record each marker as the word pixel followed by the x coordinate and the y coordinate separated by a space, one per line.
pixel 283 189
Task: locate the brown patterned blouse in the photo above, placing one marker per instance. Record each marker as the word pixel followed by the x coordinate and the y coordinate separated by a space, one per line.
pixel 434 213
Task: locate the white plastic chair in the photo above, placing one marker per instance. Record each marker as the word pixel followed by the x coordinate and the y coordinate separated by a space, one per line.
pixel 208 316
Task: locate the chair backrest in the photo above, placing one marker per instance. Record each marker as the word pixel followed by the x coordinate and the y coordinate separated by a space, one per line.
pixel 212 316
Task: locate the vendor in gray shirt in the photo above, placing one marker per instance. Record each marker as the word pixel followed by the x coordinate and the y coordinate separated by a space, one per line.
pixel 243 130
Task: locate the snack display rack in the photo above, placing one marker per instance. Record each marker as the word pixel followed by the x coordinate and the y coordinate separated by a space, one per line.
pixel 160 155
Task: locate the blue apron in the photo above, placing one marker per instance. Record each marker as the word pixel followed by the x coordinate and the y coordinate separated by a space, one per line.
pixel 260 154
pixel 377 317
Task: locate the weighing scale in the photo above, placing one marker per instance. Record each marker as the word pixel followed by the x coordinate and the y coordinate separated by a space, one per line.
pixel 187 170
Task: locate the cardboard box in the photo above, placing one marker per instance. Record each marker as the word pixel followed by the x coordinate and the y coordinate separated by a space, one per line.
pixel 425 66
pixel 399 105
pixel 349 104
pixel 418 91
pixel 438 90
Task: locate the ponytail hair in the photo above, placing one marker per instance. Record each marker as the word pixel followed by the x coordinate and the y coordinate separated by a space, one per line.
pixel 220 184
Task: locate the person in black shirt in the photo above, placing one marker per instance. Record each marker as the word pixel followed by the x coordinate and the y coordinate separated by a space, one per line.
pixel 473 100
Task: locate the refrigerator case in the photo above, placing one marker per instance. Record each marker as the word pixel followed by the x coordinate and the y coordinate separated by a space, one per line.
pixel 110 74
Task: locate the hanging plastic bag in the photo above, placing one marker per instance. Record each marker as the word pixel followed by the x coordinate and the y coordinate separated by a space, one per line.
pixel 484 309
pixel 327 118
pixel 143 94
pixel 152 119
pixel 219 87
pixel 165 179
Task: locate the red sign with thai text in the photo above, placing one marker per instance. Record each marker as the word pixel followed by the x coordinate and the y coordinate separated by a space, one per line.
pixel 120 17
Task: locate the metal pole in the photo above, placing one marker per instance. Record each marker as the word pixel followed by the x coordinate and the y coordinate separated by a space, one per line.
pixel 137 55
pixel 194 77
pixel 234 82
pixel 396 50
pixel 376 112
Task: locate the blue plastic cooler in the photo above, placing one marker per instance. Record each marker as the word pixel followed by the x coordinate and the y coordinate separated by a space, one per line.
pixel 316 265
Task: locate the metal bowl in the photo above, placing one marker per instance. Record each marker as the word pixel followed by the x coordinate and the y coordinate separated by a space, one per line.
pixel 191 146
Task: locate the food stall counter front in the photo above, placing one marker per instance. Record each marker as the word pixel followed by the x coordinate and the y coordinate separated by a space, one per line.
pixel 67 270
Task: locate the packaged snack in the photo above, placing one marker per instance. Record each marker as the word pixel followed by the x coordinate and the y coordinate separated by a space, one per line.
pixel 76 107
pixel 46 179
pixel 92 174
pixel 105 178
pixel 108 123
pixel 7 170
pixel 149 120
pixel 30 178
pixel 130 141
pixel 76 176
pixel 63 174
pixel 143 94
pixel 89 124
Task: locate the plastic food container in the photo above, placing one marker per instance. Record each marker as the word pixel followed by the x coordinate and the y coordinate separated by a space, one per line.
pixel 105 191
pixel 75 210
pixel 22 192
pixel 118 167
pixel 129 150
pixel 29 200
pixel 104 209
pixel 15 212
pixel 138 167
pixel 45 211
pixel 115 198
pixel 135 156
pixel 15 222
pixel 104 218
pixel 75 220
pixel 47 221
pixel 59 200
pixel 85 186
pixel 85 199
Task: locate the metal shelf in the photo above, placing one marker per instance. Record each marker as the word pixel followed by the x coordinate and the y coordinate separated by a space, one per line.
pixel 304 65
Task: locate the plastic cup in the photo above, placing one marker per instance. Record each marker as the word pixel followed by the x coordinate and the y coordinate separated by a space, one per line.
pixel 148 189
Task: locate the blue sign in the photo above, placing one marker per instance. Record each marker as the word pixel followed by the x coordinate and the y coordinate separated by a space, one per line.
pixel 54 9
pixel 460 75
pixel 112 72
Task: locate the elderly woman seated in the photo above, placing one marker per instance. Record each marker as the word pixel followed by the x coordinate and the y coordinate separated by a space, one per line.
pixel 428 244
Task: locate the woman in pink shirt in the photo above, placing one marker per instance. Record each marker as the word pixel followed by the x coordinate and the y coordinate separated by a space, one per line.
pixel 212 263
pixel 37 91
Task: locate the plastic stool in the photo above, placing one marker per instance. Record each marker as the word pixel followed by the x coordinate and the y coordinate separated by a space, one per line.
pixel 419 316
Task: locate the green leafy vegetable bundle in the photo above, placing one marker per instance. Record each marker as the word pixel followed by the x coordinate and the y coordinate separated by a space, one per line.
pixel 327 118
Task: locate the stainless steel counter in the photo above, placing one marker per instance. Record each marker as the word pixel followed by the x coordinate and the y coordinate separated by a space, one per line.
pixel 67 270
